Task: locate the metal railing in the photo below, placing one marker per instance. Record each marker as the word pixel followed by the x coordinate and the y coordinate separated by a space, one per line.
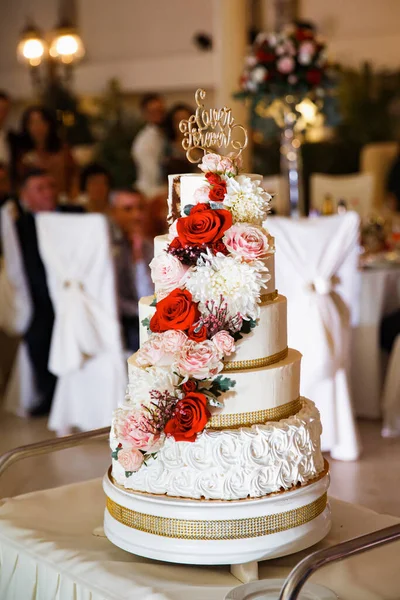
pixel 305 568
pixel 69 441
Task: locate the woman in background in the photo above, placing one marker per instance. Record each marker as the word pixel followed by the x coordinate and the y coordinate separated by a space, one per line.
pixel 42 148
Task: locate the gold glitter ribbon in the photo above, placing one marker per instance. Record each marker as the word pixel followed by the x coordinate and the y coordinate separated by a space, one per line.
pixel 255 363
pixel 232 529
pixel 258 417
pixel 267 298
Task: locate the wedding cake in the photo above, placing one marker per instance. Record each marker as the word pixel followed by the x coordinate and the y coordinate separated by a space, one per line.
pixel 213 416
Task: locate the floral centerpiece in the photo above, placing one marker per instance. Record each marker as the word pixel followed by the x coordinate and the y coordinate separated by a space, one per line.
pixel 215 251
pixel 282 70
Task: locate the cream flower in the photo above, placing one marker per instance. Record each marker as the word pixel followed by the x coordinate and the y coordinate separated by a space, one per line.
pixel 246 200
pixel 143 380
pixel 167 273
pixel 239 283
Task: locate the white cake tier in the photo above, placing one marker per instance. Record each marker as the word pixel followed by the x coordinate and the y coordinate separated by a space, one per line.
pixel 233 464
pixel 161 243
pixel 191 182
pixel 267 339
pixel 260 394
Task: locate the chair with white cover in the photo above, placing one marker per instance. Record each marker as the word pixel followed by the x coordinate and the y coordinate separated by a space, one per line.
pixel 316 269
pixel 356 190
pixel 86 351
pixel 20 394
pixel 391 394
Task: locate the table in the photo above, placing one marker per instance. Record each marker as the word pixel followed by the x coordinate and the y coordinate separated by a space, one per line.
pixel 379 295
pixel 48 551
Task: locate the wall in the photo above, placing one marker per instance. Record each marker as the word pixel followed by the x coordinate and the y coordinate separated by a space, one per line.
pixel 145 43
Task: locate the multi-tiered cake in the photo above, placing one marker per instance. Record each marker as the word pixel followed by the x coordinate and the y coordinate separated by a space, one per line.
pixel 213 423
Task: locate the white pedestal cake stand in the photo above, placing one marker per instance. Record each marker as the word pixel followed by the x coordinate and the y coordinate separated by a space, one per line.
pixel 213 532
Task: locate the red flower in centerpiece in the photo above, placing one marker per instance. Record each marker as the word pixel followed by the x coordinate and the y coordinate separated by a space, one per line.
pixel 190 417
pixel 175 311
pixel 314 76
pixel 197 336
pixel 203 226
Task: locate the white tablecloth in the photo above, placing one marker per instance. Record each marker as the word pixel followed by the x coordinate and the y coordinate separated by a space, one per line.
pixel 48 552
pixel 379 296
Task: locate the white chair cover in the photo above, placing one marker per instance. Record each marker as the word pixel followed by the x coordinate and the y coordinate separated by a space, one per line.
pixel 86 349
pixel 357 190
pixel 316 268
pixel 20 394
pixel 391 394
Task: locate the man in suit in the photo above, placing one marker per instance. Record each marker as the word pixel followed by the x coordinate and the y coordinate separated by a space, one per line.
pixel 132 254
pixel 8 139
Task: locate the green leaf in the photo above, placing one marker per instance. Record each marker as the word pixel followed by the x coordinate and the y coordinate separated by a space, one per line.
pixel 248 325
pixel 187 209
pixel 154 302
pixel 224 383
pixel 146 323
pixel 114 454
pixel 216 205
pixel 128 473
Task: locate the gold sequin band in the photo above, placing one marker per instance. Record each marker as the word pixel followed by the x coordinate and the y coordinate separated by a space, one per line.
pixel 255 363
pixel 257 417
pixel 232 529
pixel 267 298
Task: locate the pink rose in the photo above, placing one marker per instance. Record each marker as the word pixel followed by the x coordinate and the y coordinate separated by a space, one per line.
pixel 131 429
pixel 201 195
pixel 285 65
pixel 246 241
pixel 200 360
pixel 224 343
pixel 228 165
pixel 167 273
pixel 172 231
pixel 173 340
pixel 131 459
pixel 209 163
pixel 153 352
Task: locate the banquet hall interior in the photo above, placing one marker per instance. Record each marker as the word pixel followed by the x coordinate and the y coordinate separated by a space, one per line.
pixel 96 99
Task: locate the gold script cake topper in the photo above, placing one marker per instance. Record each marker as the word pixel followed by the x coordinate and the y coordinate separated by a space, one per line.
pixel 210 128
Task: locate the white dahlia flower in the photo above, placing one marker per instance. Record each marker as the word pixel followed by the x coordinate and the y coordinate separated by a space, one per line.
pixel 143 380
pixel 246 200
pixel 239 284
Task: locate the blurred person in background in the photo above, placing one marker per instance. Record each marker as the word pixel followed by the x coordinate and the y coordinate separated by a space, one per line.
pixel 8 138
pixel 5 184
pixel 133 252
pixel 95 186
pixel 148 146
pixel 175 160
pixel 42 148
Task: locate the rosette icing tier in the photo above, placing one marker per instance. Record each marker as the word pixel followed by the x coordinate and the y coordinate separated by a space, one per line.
pixel 241 463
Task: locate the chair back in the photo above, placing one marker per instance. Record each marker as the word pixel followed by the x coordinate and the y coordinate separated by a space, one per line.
pixel 315 268
pixel 356 190
pixel 377 160
pixel 76 253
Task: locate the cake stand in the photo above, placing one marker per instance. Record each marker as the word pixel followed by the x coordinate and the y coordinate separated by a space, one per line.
pixel 214 532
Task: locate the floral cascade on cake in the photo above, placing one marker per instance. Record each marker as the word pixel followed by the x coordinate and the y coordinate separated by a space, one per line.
pixel 212 408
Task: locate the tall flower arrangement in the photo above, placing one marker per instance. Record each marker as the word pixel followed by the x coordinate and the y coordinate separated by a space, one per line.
pixel 216 250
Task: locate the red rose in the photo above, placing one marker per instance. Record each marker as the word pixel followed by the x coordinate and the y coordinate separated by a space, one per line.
pixel 198 336
pixel 265 56
pixel 220 247
pixel 175 311
pixel 214 178
pixel 190 417
pixel 314 76
pixel 203 226
pixel 189 386
pixel 217 192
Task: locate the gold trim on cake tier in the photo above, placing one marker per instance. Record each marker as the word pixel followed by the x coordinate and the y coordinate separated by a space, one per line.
pixel 257 417
pixel 255 363
pixel 267 298
pixel 231 529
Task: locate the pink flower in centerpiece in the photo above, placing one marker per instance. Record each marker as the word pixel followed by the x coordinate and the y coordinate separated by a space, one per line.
pixel 133 430
pixel 201 195
pixel 167 273
pixel 200 360
pixel 173 340
pixel 246 241
pixel 224 343
pixel 130 459
pixel 285 65
pixel 153 352
pixel 210 163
